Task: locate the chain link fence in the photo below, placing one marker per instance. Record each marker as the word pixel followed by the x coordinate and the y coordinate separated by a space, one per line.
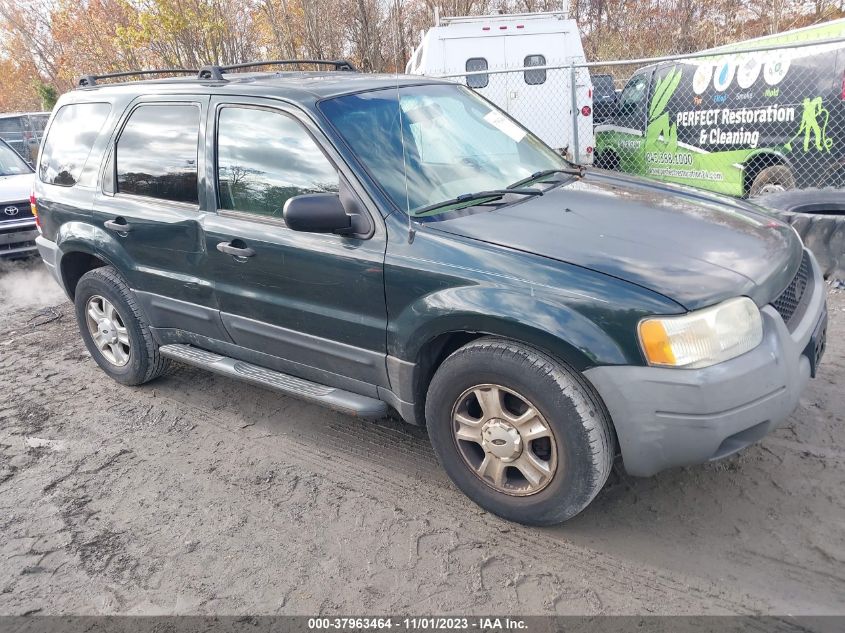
pixel 740 120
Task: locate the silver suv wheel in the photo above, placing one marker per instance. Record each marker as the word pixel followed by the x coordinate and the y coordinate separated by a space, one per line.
pixel 504 440
pixel 108 330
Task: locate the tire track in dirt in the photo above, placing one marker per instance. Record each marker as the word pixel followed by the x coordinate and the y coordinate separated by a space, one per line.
pixel 352 494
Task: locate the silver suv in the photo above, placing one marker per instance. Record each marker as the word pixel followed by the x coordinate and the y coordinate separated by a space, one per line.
pixel 17 223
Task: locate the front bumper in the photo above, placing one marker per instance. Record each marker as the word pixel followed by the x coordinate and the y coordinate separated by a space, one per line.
pixel 17 237
pixel 679 417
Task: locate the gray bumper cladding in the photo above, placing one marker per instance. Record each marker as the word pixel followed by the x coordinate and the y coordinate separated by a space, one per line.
pixel 50 255
pixel 678 417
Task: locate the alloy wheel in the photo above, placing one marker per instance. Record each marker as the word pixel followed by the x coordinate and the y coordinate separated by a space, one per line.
pixel 504 440
pixel 108 330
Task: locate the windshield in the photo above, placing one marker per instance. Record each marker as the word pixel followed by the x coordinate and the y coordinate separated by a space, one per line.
pixel 10 163
pixel 455 143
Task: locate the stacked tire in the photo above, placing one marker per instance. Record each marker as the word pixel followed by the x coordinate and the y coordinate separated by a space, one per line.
pixel 819 217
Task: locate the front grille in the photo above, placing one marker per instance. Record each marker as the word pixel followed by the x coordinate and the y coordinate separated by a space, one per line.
pixel 14 246
pixel 21 210
pixel 792 301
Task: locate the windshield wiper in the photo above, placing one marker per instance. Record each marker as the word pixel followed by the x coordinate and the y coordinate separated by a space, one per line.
pixel 577 170
pixel 492 194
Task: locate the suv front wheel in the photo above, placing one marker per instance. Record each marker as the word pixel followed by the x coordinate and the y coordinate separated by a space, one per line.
pixel 520 433
pixel 114 330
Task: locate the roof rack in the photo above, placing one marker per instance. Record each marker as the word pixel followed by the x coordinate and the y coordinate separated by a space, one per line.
pixel 91 80
pixel 216 72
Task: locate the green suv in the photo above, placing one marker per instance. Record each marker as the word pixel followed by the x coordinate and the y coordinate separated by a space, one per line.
pixel 383 244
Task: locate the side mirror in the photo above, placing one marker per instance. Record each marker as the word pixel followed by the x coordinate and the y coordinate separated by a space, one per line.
pixel 317 213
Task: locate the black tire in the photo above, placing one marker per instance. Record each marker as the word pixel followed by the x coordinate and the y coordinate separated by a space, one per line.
pixel 606 160
pixel 819 217
pixel 578 419
pixel 144 363
pixel 769 178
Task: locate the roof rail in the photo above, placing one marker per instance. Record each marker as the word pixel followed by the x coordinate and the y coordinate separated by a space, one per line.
pixel 91 80
pixel 216 72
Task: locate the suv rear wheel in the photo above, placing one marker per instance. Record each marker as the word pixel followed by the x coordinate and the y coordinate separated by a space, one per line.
pixel 520 433
pixel 114 330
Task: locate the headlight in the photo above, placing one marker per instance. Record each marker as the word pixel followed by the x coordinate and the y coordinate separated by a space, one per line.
pixel 704 337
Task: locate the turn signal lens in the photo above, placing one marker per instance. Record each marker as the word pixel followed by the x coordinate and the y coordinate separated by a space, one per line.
pixel 703 337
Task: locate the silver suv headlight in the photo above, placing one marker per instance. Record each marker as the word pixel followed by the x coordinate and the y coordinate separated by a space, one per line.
pixel 703 337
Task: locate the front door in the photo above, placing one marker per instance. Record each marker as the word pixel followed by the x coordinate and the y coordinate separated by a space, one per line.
pixel 314 300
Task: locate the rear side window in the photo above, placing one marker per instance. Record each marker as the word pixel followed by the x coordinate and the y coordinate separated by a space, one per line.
pixel 475 64
pixel 11 126
pixel 157 153
pixel 69 142
pixel 535 77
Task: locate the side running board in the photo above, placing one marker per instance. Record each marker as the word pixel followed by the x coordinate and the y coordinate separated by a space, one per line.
pixel 338 399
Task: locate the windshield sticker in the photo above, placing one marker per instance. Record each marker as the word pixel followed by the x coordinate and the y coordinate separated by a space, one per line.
pixel 503 124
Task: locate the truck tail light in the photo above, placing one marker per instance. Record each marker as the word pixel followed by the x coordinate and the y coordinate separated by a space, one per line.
pixel 589 149
pixel 843 86
pixel 34 208
pixel 586 110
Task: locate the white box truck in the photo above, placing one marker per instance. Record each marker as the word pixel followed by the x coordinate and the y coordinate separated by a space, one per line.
pixel 519 62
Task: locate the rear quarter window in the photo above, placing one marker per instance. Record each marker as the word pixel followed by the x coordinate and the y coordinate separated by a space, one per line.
pixel 69 142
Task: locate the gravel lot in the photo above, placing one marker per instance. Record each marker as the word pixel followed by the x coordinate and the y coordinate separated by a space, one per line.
pixel 198 494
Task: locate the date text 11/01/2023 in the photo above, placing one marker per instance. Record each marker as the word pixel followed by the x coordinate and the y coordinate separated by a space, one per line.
pixel 417 623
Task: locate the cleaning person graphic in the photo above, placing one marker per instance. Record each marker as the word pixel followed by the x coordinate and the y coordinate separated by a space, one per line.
pixel 810 126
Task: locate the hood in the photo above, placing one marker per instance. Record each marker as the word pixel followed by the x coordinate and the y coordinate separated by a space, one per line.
pixel 15 188
pixel 694 248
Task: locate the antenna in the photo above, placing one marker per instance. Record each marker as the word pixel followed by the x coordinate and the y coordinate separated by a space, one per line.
pixel 411 231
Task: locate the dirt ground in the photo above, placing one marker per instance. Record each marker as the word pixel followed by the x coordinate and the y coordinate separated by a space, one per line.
pixel 199 494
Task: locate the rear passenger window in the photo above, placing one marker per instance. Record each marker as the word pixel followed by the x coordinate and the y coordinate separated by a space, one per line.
pixel 475 64
pixel 265 158
pixel 157 153
pixel 10 126
pixel 69 142
pixel 535 77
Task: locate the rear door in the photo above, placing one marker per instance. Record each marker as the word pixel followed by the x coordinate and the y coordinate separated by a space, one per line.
pixel 315 300
pixel 150 205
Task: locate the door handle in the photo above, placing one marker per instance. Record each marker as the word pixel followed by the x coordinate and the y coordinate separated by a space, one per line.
pixel 235 251
pixel 118 224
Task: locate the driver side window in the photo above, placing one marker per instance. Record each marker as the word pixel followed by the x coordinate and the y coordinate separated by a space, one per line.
pixel 264 158
pixel 632 103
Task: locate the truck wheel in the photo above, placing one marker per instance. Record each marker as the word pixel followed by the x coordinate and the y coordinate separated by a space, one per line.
pixel 114 330
pixel 521 434
pixel 606 160
pixel 772 180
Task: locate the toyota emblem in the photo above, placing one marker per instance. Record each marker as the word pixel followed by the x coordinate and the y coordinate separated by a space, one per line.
pixel 11 210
